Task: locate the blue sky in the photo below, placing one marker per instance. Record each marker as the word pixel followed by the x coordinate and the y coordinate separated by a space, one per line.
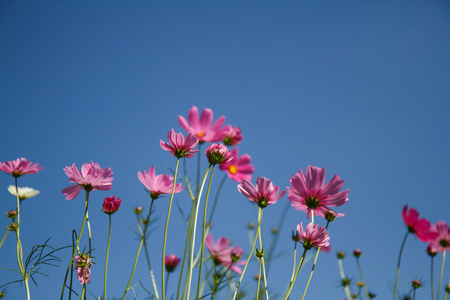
pixel 360 88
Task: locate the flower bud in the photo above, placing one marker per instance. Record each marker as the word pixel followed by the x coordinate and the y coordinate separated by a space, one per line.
pixel 260 253
pixel 171 262
pixel 111 205
pixel 138 210
pixel 274 231
pixel 218 154
pixel 447 289
pixel 233 137
pixel 340 254
pixel 360 283
pixel 2 294
pixel 295 237
pixel 416 283
pixel 13 226
pixel 330 215
pixel 251 225
pixel 432 250
pixel 11 214
pixel 357 253
pixel 345 282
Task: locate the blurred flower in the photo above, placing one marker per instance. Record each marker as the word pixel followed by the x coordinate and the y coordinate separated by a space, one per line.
pixel 432 250
pixel 91 178
pixel 202 128
pixel 111 205
pixel 171 262
pixel 416 283
pixel 239 168
pixel 442 239
pixel 179 146
pixel 19 167
pixel 24 192
pixel 83 267
pixel 360 283
pixel 326 248
pixel 420 227
pixel 357 253
pixel 265 192
pixel 308 192
pixel 233 137
pixel 138 209
pixel 158 185
pixel 218 154
pixel 223 255
pixel 313 236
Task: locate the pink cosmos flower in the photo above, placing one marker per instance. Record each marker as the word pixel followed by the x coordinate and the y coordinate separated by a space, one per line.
pixel 158 184
pixel 201 128
pixel 442 239
pixel 111 205
pixel 218 154
pixel 171 262
pixel 223 255
pixel 91 178
pixel 265 192
pixel 308 192
pixel 83 267
pixel 233 137
pixel 19 167
pixel 178 145
pixel 420 227
pixel 313 236
pixel 239 168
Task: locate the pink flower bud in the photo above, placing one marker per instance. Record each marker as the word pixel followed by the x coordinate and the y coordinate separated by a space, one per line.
pixel 111 205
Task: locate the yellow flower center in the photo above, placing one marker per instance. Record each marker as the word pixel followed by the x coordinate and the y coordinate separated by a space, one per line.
pixel 200 134
pixel 233 170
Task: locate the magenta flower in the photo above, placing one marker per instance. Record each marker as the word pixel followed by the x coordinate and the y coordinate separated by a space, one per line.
pixel 91 178
pixel 201 128
pixel 111 205
pixel 179 146
pixel 83 267
pixel 158 185
pixel 19 167
pixel 222 254
pixel 442 239
pixel 239 168
pixel 308 192
pixel 171 262
pixel 233 137
pixel 420 227
pixel 313 236
pixel 218 154
pixel 265 192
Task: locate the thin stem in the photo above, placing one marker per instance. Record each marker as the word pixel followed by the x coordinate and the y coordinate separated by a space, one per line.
pixel 191 254
pixel 106 260
pixel 262 260
pixel 217 198
pixel 89 233
pixel 291 284
pixel 203 232
pixel 250 254
pixel 295 260
pixel 152 276
pixel 139 249
pixel 341 272
pixel 362 278
pixel 165 229
pixel 4 237
pixel 198 166
pixel 442 273
pixel 259 280
pixel 311 274
pixel 432 280
pixel 398 265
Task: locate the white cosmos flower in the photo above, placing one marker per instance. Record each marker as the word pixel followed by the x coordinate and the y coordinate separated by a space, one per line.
pixel 24 192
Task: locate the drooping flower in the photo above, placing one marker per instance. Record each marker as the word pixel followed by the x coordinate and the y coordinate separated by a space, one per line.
pixel 313 236
pixel 265 192
pixel 420 227
pixel 179 146
pixel 222 254
pixel 308 192
pixel 239 168
pixel 218 154
pixel 111 205
pixel 158 184
pixel 24 192
pixel 91 178
pixel 233 137
pixel 19 167
pixel 201 128
pixel 442 239
pixel 171 262
pixel 83 267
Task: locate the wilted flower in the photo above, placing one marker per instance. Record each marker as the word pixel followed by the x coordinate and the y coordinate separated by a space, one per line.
pixel 83 267
pixel 24 192
pixel 202 128
pixel 265 192
pixel 218 154
pixel 442 238
pixel 158 185
pixel 179 146
pixel 19 167
pixel 111 205
pixel 239 168
pixel 308 192
pixel 171 262
pixel 91 178
pixel 420 227
pixel 313 236
pixel 222 254
pixel 233 137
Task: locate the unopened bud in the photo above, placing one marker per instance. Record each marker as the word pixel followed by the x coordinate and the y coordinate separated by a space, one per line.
pixel 357 253
pixel 416 283
pixel 340 254
pixel 295 237
pixel 12 214
pixel 260 253
pixel 138 210
pixel 432 250
pixel 447 289
pixel 13 226
pixel 251 225
pixel 274 230
pixel 360 283
pixel 330 215
pixel 345 282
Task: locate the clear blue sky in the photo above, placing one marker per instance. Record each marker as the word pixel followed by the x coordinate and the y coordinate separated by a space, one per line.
pixel 360 88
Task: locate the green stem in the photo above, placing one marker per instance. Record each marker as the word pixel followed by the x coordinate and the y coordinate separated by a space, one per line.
pixel 295 260
pixel 106 260
pixel 165 230
pixel 398 265
pixel 250 254
pixel 4 237
pixel 341 272
pixel 191 250
pixel 442 274
pixel 203 232
pixel 311 274
pixel 291 284
pixel 217 198
pixel 362 278
pixel 262 260
pixel 259 280
pixel 139 249
pixel 432 280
